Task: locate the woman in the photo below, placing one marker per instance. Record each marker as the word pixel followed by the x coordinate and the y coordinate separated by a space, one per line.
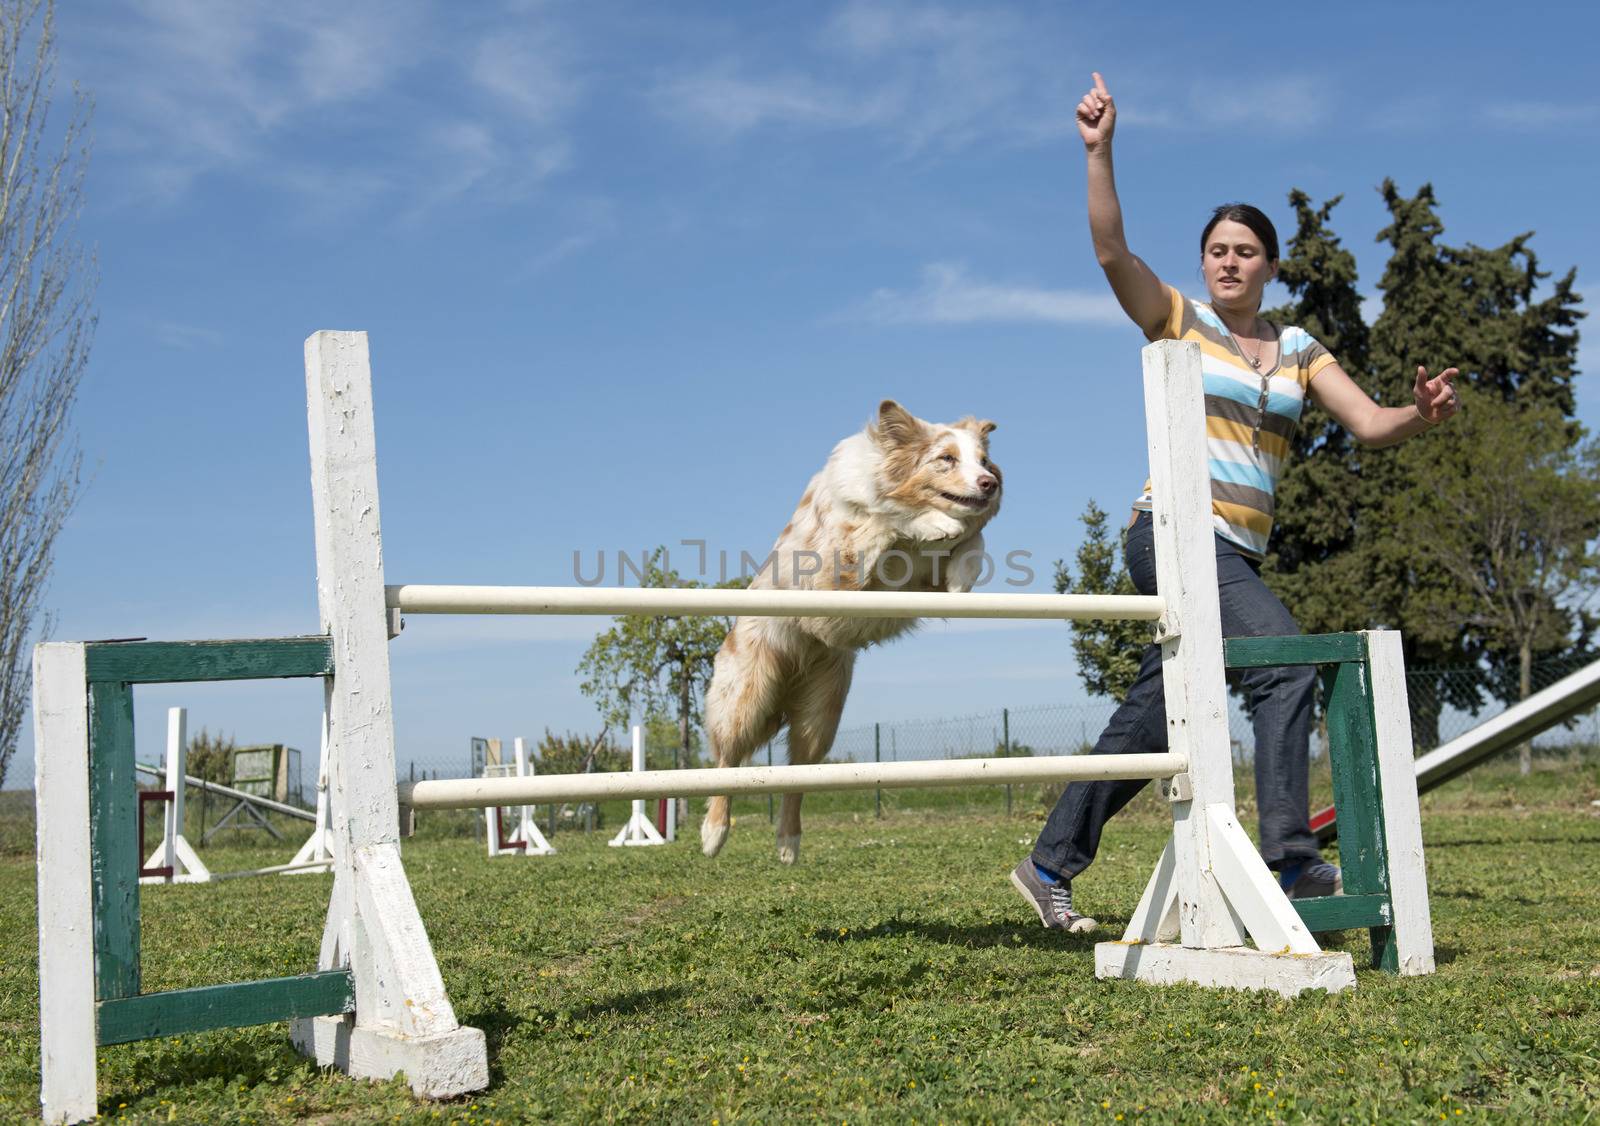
pixel 1257 376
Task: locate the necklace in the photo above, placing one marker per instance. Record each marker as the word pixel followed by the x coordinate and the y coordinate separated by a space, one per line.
pixel 1255 360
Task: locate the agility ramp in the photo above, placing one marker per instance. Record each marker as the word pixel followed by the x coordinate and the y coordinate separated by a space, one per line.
pixel 1568 697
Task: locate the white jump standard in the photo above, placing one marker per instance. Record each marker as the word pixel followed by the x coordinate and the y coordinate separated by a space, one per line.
pixel 639 831
pixel 376 1006
pixel 525 839
pixel 174 860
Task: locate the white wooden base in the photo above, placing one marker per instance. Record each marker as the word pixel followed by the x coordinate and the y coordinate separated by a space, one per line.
pixel 1232 967
pixel 316 855
pixel 639 830
pixel 437 1067
pixel 527 834
pixel 187 869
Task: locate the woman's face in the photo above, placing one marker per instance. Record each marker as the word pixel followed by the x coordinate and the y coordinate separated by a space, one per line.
pixel 1236 266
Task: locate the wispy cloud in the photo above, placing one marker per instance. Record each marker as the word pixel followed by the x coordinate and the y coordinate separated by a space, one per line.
pixel 1543 115
pixel 323 103
pixel 590 221
pixel 528 68
pixel 1290 103
pixel 725 102
pixel 934 78
pixel 193 87
pixel 185 338
pixel 948 295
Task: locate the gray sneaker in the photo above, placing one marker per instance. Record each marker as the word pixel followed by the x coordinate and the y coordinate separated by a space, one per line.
pixel 1052 902
pixel 1315 880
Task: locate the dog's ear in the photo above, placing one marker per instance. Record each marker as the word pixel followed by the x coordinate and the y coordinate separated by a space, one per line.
pixel 982 427
pixel 896 426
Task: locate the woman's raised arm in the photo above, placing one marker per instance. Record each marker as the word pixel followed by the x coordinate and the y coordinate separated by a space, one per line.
pixel 1138 290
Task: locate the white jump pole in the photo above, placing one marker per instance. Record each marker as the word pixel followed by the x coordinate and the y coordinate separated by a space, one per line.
pixel 476 793
pixel 639 830
pixel 174 852
pixel 477 600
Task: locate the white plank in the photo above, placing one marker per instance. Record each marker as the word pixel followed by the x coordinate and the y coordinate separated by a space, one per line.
pixel 373 921
pixel 1253 894
pixel 1225 968
pixel 1155 919
pixel 1569 696
pixel 1402 818
pixel 66 919
pixel 395 953
pixel 1191 656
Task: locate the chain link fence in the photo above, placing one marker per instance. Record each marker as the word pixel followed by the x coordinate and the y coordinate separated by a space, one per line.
pixel 1445 703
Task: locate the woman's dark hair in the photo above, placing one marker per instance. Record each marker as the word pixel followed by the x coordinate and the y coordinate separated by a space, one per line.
pixel 1252 217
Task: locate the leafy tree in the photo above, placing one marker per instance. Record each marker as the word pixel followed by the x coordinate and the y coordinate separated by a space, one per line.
pixel 1344 555
pixel 1108 652
pixel 652 666
pixel 663 742
pixel 1320 494
pixel 211 756
pixel 46 326
pixel 572 753
pixel 1517 544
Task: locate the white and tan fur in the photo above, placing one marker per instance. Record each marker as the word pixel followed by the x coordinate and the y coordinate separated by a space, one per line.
pixel 901 485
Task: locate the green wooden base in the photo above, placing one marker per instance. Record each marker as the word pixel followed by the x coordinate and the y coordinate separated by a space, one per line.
pixel 225 1006
pixel 1342 912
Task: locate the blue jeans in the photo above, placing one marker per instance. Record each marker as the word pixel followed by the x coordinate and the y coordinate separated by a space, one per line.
pixel 1281 701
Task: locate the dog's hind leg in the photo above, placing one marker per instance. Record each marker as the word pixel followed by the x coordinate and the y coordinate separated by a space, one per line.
pixel 815 704
pixel 743 710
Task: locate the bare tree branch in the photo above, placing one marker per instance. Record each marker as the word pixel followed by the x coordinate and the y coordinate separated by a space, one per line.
pixel 47 322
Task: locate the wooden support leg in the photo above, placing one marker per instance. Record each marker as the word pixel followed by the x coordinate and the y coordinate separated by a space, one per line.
pixel 66 913
pixel 403 1020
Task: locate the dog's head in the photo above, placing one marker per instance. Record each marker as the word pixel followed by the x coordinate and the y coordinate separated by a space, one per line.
pixel 933 465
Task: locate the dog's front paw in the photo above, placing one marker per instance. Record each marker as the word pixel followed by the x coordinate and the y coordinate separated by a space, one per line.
pixel 712 837
pixel 936 526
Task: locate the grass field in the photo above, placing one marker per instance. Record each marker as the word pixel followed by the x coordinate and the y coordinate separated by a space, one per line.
pixel 891 976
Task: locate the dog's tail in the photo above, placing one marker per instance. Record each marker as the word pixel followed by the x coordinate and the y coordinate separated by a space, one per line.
pixel 714 829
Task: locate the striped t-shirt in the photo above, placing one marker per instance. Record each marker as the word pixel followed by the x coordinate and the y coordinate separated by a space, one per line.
pixel 1250 417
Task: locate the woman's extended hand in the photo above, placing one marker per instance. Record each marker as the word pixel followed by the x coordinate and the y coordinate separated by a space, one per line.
pixel 1097 116
pixel 1436 398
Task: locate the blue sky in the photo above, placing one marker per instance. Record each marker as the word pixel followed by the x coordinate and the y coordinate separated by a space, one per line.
pixel 631 269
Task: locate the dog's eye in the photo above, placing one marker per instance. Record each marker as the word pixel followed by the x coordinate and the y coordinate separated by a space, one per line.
pixel 949 459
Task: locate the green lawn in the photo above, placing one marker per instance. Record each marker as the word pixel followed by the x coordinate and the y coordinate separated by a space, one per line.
pixel 893 975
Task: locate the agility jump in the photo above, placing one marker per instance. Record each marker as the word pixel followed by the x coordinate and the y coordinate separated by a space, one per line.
pixel 376 1005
